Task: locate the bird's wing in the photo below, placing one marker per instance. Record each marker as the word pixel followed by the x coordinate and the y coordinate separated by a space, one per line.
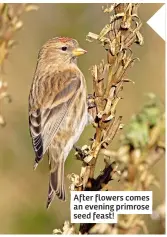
pixel 45 122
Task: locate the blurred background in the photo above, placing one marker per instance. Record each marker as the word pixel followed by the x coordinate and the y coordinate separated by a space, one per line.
pixel 24 191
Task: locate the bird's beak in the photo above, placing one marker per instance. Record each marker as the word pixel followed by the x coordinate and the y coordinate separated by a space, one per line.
pixel 78 51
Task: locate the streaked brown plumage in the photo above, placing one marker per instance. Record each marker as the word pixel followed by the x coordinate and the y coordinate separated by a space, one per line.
pixel 57 107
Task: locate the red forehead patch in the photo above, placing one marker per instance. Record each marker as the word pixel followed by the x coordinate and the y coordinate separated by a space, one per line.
pixel 64 39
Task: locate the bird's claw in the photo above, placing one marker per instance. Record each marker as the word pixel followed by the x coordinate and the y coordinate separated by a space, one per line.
pixel 82 152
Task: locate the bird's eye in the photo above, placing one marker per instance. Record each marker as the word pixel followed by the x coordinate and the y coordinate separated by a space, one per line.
pixel 64 48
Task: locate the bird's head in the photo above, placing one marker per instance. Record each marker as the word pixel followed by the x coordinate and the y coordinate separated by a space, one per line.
pixel 61 50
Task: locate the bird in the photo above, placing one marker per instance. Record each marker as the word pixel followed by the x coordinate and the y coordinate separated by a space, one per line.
pixel 58 110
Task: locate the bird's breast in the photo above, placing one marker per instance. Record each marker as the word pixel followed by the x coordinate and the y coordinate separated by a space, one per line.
pixel 74 123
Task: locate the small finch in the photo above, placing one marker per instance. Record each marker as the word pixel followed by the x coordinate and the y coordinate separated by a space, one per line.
pixel 57 107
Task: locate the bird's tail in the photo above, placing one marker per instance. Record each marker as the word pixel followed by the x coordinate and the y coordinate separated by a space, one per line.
pixel 51 195
pixel 56 184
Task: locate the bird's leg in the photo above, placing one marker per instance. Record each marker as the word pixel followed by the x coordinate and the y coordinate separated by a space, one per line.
pixel 79 154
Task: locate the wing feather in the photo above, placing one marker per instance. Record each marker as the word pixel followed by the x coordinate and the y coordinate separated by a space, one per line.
pixel 45 121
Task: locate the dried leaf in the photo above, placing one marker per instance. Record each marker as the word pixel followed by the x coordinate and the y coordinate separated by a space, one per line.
pixel 31 7
pixel 18 25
